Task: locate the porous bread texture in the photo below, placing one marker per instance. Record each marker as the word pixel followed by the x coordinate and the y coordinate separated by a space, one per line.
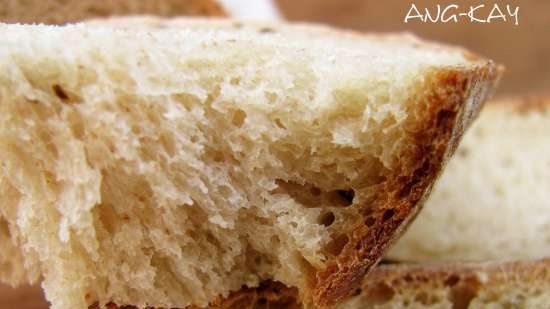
pixel 493 200
pixel 12 261
pixel 494 285
pixel 167 167
pixel 65 11
pixel 519 285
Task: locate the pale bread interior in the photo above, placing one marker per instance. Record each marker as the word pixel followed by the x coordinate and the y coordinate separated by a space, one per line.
pixel 169 167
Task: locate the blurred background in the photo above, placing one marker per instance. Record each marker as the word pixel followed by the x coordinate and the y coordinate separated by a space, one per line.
pixel 523 49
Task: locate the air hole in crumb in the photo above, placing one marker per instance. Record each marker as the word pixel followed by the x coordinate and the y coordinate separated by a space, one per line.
pixel 239 118
pixel 218 156
pixel 275 240
pixel 49 177
pixel 4 229
pixel 336 245
pixel 279 124
pixel 271 96
pixel 452 280
pixel 258 260
pixel 388 214
pixel 381 294
pixel 315 191
pixel 60 92
pixel 327 219
pixel 461 296
pixel 266 30
pixel 235 81
pixel 347 196
pixel 370 221
pixel 310 196
pixel 423 298
pixel 301 193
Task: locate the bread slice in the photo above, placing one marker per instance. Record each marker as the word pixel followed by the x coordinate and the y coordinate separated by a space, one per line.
pixel 478 285
pixel 493 201
pixel 169 166
pixel 64 11
pixel 495 285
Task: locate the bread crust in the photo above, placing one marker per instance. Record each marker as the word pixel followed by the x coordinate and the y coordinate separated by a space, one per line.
pixel 456 97
pixel 481 275
pixel 61 12
pixel 414 278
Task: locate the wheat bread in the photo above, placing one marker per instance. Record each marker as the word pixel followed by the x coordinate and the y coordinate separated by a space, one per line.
pixel 169 166
pixel 492 202
pixel 65 11
pixel 521 284
pixel 482 285
pixel 477 285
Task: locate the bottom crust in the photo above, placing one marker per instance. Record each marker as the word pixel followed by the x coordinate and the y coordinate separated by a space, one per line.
pixel 517 284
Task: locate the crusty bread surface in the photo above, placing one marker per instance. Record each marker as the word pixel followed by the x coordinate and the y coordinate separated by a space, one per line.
pixel 477 285
pixel 170 166
pixel 65 11
pixel 493 200
pixel 483 285
pixel 521 284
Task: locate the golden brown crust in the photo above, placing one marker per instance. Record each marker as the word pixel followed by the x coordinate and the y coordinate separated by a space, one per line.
pixel 268 295
pixel 479 275
pixel 471 278
pixel 455 97
pixel 394 278
pixel 61 12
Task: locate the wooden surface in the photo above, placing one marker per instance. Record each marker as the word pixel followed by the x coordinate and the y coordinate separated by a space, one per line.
pixel 22 298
